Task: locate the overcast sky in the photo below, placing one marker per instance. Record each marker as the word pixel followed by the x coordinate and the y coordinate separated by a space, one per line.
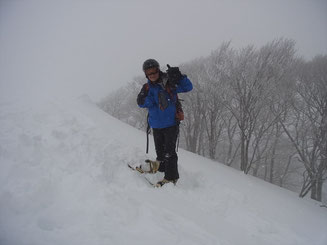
pixel 75 47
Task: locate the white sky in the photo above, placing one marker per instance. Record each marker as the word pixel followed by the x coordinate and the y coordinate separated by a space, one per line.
pixel 93 46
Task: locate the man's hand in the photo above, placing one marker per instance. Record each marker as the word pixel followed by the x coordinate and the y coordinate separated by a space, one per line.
pixel 174 75
pixel 143 94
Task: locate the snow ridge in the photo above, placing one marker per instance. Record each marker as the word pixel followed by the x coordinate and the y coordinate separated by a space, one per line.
pixel 64 180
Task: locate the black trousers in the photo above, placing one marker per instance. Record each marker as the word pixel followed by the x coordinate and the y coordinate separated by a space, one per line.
pixel 165 144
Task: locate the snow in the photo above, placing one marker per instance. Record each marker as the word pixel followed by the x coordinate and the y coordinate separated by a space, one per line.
pixel 64 180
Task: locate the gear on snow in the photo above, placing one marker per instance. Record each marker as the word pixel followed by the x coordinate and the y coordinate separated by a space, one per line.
pixel 165 181
pixel 151 167
pixel 148 167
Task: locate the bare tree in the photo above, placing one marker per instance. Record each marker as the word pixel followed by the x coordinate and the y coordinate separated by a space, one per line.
pixel 252 84
pixel 216 73
pixel 193 107
pixel 233 144
pixel 308 128
pixel 114 102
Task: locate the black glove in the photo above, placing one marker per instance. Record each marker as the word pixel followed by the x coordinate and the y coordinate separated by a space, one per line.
pixel 174 75
pixel 142 94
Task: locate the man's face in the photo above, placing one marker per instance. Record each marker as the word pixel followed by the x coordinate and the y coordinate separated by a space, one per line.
pixel 152 74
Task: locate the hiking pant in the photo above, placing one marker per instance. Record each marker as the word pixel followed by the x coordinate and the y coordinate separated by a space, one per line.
pixel 165 144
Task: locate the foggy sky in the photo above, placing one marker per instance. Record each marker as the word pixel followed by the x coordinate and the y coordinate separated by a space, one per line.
pixel 94 46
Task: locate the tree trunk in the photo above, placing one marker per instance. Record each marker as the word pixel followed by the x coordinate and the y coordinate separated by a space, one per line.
pixel 243 152
pixel 314 189
pixel 319 188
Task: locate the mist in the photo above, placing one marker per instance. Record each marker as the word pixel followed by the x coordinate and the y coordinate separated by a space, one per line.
pixel 70 48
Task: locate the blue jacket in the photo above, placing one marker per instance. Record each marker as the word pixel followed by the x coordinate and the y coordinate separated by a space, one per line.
pixel 159 118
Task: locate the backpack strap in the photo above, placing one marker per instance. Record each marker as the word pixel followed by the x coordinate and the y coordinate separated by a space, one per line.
pixel 179 110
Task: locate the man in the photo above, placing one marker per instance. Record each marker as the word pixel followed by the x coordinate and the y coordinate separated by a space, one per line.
pixel 159 96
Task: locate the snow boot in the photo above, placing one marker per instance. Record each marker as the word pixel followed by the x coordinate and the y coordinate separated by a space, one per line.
pixel 165 181
pixel 149 167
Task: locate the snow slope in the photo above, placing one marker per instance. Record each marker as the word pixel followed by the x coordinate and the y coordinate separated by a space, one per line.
pixel 64 180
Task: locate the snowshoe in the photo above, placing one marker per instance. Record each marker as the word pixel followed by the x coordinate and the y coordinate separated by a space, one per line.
pixel 148 167
pixel 165 181
pixel 135 169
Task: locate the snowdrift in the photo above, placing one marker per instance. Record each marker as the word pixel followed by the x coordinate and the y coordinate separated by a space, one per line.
pixel 64 180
